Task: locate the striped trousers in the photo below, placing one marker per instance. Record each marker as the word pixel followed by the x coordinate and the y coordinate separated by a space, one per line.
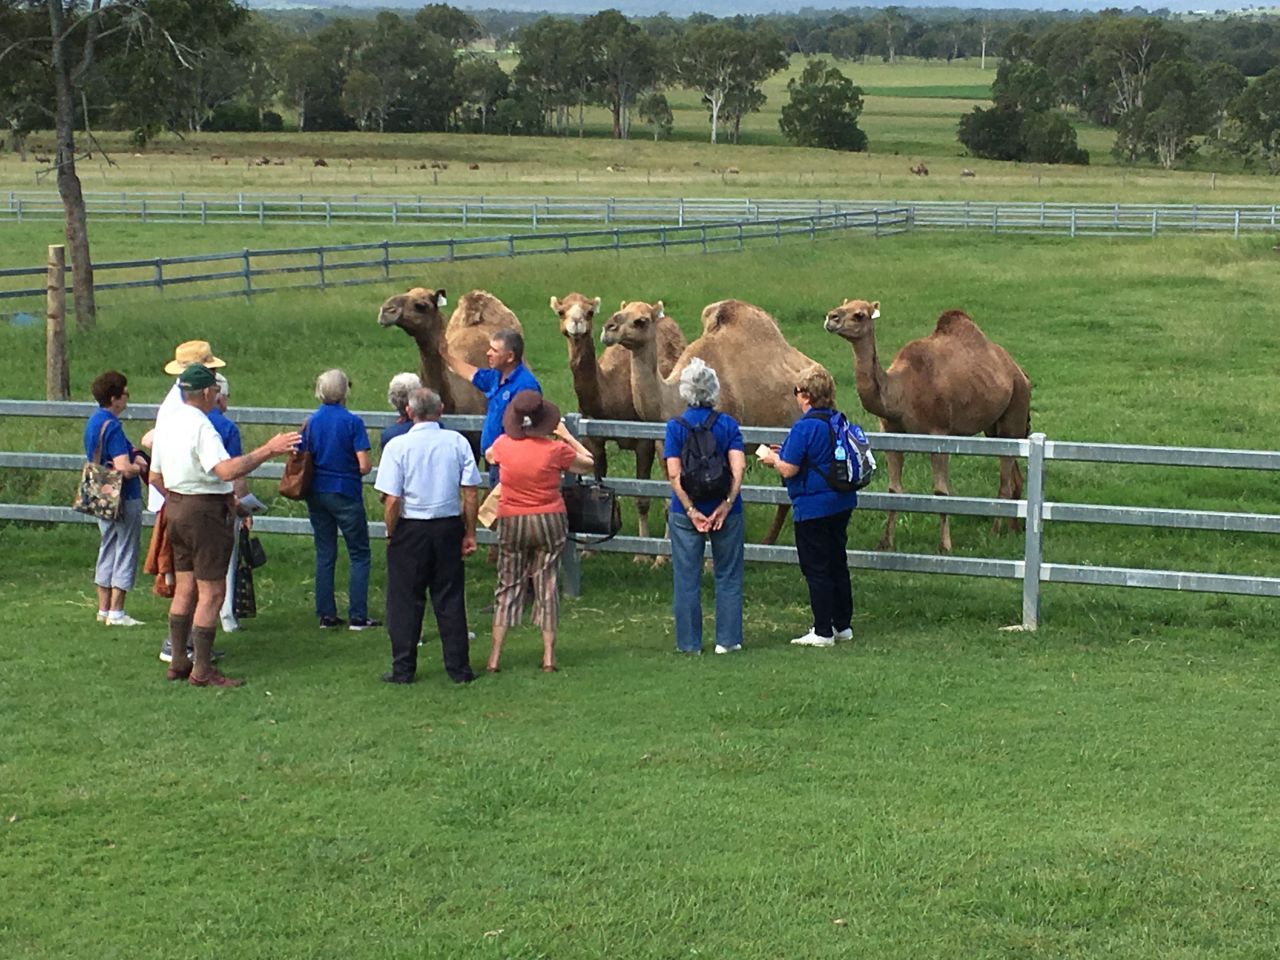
pixel 529 549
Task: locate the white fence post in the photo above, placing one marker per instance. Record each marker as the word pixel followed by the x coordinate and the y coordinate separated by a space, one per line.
pixel 1033 544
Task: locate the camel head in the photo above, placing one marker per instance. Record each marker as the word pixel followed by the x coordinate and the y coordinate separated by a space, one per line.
pixel 635 324
pixel 576 313
pixel 853 319
pixel 416 312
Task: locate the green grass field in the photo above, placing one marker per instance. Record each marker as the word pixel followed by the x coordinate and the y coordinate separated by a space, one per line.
pixel 937 788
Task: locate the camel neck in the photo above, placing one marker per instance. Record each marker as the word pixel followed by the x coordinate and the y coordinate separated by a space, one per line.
pixel 872 382
pixel 431 369
pixel 586 375
pixel 655 399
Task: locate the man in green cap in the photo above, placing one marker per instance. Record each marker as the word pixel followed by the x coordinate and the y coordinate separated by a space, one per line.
pixel 192 469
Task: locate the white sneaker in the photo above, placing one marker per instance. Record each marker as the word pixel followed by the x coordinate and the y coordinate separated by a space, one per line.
pixel 102 617
pixel 845 634
pixel 734 649
pixel 124 621
pixel 812 639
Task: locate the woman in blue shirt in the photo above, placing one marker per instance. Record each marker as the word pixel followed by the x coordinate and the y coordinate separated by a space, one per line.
pixel 118 547
pixel 694 520
pixel 821 513
pixel 339 446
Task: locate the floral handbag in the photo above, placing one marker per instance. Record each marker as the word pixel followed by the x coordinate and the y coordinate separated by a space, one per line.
pixel 101 487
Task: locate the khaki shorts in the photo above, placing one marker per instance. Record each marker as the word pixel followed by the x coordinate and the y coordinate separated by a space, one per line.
pixel 201 532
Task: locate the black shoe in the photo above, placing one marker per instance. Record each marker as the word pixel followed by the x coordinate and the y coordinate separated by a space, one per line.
pixel 390 677
pixel 330 623
pixel 363 624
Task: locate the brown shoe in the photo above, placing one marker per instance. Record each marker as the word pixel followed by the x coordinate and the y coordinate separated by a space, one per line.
pixel 180 674
pixel 214 679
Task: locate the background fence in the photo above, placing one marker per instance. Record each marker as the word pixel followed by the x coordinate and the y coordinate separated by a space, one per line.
pixel 246 272
pixel 535 213
pixel 1032 569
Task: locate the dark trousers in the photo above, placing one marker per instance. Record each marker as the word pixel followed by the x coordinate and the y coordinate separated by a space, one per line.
pixel 821 545
pixel 422 556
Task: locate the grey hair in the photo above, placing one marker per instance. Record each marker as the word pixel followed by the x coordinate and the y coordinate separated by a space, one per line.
pixel 332 386
pixel 699 385
pixel 425 404
pixel 223 387
pixel 511 340
pixel 398 390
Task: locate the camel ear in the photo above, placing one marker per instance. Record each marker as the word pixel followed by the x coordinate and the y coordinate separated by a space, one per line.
pixel 555 304
pixel 658 312
pixel 622 304
pixel 595 304
pixel 441 299
pixel 875 310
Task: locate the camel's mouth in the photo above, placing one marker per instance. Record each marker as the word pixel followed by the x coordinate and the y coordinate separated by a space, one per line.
pixel 831 325
pixel 388 318
pixel 576 327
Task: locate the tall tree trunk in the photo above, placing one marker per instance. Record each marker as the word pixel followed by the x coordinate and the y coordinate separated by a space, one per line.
pixel 68 181
pixel 617 118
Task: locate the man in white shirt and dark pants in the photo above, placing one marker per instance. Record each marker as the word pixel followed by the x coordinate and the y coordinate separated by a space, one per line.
pixel 193 471
pixel 430 484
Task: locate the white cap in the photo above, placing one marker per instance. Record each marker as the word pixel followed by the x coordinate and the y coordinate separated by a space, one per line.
pixel 223 386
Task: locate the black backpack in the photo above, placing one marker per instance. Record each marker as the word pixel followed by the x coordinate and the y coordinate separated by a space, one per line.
pixel 704 470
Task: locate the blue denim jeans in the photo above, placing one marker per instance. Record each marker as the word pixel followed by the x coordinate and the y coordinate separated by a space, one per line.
pixel 331 512
pixel 687 546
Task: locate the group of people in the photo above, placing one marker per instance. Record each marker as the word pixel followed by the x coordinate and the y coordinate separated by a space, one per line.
pixel 428 482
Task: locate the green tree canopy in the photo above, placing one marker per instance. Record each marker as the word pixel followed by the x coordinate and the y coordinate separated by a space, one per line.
pixel 823 110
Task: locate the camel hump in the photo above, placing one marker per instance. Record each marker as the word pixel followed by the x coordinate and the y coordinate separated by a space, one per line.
pixel 481 308
pixel 957 323
pixel 727 315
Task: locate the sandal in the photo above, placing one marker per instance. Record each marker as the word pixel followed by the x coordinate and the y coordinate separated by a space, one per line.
pixel 172 674
pixel 549 668
pixel 214 679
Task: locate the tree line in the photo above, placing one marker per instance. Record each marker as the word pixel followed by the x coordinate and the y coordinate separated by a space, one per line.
pixel 1160 91
pixel 168 65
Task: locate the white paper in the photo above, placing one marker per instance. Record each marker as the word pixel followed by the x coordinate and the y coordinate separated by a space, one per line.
pixel 763 451
pixel 253 504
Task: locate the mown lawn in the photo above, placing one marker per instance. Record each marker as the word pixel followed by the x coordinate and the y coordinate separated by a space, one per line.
pixel 936 788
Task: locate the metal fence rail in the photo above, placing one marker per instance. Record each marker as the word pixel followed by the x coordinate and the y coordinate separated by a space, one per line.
pixel 536 212
pixel 246 272
pixel 1032 569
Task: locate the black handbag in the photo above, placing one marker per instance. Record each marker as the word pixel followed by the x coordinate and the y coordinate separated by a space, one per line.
pixel 593 510
pixel 245 601
pixel 253 547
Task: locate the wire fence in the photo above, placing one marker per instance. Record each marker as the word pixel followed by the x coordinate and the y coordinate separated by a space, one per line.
pixel 246 272
pixel 534 213
pixel 1032 570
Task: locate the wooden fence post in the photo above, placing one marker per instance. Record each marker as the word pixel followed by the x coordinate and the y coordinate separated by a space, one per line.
pixel 57 375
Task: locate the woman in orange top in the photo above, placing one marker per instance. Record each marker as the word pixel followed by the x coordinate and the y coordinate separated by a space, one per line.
pixel 532 524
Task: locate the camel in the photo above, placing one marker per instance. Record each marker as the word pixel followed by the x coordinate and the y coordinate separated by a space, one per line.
pixel 757 368
pixel 603 385
pixel 954 382
pixel 477 317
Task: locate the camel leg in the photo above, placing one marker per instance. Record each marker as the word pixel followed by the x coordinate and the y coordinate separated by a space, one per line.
pixel 779 518
pixel 941 463
pixel 645 453
pixel 1011 487
pixel 894 457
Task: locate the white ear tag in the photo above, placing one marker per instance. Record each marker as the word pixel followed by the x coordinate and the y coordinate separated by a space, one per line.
pixel 875 314
pixel 443 301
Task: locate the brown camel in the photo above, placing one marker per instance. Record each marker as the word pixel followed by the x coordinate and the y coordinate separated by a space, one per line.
pixel 603 384
pixel 757 368
pixel 954 382
pixel 477 317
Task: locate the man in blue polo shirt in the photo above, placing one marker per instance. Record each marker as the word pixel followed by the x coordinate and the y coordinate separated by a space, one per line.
pixel 507 375
pixel 229 432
